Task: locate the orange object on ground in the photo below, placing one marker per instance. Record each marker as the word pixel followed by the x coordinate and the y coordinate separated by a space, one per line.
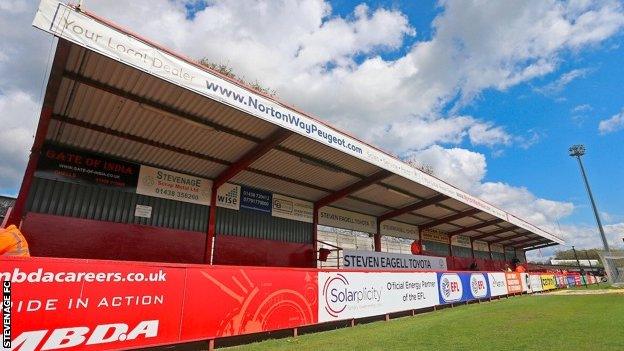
pixel 520 269
pixel 13 243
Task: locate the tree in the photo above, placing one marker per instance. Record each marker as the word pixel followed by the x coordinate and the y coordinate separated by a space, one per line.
pixel 424 167
pixel 227 71
pixel 582 254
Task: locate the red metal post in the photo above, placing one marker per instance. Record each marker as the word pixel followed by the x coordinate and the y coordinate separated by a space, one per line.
pixel 210 234
pixel 240 165
pixel 56 75
pixel 378 237
pixel 315 212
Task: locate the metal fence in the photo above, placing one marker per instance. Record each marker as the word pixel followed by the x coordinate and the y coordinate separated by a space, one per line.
pixel 613 262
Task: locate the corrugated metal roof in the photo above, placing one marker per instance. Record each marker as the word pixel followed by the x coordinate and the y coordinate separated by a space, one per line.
pixel 107 107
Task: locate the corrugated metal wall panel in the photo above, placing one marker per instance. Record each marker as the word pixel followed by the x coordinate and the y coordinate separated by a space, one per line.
pixel 459 251
pixel 435 247
pixel 259 225
pixel 105 204
pixel 498 256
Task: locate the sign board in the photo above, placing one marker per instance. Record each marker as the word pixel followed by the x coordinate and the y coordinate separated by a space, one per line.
pixel 72 304
pixel 292 208
pixel 456 287
pixel 347 295
pixel 514 282
pixel 228 196
pixel 497 283
pixel 479 245
pixel 548 281
pixel 372 260
pixel 435 235
pixel 461 241
pixel 77 27
pixel 174 186
pixel 535 281
pixel 79 167
pixel 339 218
pixel 255 199
pixel 143 211
pixel 398 229
pixel 497 248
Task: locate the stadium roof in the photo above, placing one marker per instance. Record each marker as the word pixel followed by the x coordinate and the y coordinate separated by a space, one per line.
pixel 116 93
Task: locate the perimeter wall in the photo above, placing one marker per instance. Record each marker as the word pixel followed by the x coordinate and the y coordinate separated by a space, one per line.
pixel 79 304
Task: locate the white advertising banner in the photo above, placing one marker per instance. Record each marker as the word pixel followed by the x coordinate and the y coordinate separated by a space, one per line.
pixel 526 282
pixel 497 248
pixel 346 295
pixel 461 241
pixel 291 208
pixel 498 284
pixel 335 217
pixel 372 260
pixel 479 245
pixel 173 186
pixel 536 282
pixel 65 22
pixel 228 196
pixel 398 229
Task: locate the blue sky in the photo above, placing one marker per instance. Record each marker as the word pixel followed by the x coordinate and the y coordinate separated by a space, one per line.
pixel 490 94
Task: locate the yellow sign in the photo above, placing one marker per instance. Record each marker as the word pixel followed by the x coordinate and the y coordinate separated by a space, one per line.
pixel 548 281
pixel 435 235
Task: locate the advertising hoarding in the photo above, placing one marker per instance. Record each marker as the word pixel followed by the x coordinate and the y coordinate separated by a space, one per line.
pixel 460 286
pixel 497 283
pixel 372 260
pixel 346 295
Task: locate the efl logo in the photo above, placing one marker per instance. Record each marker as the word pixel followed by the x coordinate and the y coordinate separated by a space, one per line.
pixel 478 285
pixel 71 337
pixel 451 287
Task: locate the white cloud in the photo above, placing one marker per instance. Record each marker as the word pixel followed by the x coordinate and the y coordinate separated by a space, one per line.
pixel 16 135
pixel 613 124
pixel 555 87
pixel 582 108
pixel 334 67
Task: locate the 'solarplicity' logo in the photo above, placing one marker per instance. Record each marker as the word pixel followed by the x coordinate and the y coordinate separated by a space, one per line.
pixel 338 295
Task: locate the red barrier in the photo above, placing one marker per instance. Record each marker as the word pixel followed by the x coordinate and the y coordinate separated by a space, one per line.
pixel 115 305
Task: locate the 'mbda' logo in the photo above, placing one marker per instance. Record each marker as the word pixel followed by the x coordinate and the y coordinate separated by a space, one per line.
pixel 478 286
pixel 450 287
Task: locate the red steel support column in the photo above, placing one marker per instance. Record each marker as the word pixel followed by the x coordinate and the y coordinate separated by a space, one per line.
pixel 245 161
pixel 315 212
pixel 210 234
pixel 378 237
pixel 472 249
pixel 56 75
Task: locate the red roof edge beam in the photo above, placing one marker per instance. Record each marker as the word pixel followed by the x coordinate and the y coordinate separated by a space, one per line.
pixel 500 240
pixel 450 218
pixel 496 232
pixel 409 208
pixel 539 247
pixel 476 226
pixel 350 189
pixel 245 161
pixel 54 82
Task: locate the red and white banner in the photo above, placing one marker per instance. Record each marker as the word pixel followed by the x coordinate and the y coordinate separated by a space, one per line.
pixel 107 305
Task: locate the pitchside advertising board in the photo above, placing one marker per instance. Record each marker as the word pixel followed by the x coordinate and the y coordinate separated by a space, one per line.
pixel 106 305
pixel 458 287
pixel 347 295
pixel 370 260
pixel 74 304
pixel 65 22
